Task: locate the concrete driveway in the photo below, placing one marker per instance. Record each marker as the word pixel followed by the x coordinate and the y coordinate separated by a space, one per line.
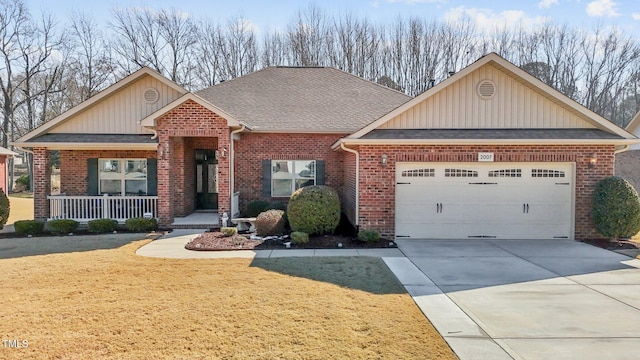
pixel 525 299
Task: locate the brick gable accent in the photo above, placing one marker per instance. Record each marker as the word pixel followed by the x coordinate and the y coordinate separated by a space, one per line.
pixel 377 182
pixel 188 127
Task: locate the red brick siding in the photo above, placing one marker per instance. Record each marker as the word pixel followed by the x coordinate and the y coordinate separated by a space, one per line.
pixel 3 173
pixel 252 148
pixel 41 183
pixel 377 183
pixel 185 128
pixel 73 166
pixel 349 193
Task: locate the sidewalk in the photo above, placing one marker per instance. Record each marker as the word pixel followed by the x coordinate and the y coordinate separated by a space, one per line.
pixel 171 246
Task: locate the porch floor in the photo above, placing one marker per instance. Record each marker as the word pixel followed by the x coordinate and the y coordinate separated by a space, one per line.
pixel 196 220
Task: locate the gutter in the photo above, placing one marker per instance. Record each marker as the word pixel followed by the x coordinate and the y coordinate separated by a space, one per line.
pixel 622 149
pixel 357 214
pixel 232 165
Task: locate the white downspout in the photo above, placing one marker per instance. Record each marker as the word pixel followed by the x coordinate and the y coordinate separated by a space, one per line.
pixel 355 152
pixel 232 165
pixel 623 149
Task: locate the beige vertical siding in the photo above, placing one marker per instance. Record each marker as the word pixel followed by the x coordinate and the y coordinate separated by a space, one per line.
pixel 513 106
pixel 120 112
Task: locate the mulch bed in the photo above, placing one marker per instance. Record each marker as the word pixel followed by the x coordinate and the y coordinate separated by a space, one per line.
pixel 216 241
pixel 612 245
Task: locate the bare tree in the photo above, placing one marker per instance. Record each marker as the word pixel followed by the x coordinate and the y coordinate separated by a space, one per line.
pixel 306 38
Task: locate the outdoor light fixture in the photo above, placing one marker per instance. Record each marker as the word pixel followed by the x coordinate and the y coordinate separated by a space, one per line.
pixel 384 160
pixel 221 153
pixel 593 160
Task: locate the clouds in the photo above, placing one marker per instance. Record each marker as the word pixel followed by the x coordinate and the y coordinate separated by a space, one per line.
pixel 599 8
pixel 545 4
pixel 488 20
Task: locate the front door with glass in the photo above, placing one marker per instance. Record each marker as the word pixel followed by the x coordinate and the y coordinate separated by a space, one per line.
pixel 206 180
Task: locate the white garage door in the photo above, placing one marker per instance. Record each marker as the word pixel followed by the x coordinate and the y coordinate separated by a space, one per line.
pixel 477 200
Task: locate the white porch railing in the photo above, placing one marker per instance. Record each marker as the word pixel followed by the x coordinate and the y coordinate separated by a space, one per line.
pixel 235 203
pixel 85 208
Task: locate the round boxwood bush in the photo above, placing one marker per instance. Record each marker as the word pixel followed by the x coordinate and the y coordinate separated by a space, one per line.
pixel 62 226
pixel 616 208
pixel 101 226
pixel 256 207
pixel 298 237
pixel 314 210
pixel 28 227
pixel 368 235
pixel 229 231
pixel 271 222
pixel 141 224
pixel 5 209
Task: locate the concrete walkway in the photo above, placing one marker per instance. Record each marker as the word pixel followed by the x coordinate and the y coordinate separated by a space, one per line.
pixel 508 299
pixel 172 246
pixel 499 299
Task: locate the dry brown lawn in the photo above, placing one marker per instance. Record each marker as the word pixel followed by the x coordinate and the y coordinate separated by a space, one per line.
pixel 111 303
pixel 21 209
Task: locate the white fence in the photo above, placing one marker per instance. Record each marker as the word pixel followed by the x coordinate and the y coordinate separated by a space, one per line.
pixel 85 208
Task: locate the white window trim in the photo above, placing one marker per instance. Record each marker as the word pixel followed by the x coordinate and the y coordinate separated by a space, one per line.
pixel 123 179
pixel 295 175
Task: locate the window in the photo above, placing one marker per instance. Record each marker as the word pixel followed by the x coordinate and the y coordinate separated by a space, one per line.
pixel 288 176
pixel 122 176
pixel 419 173
pixel 546 173
pixel 506 173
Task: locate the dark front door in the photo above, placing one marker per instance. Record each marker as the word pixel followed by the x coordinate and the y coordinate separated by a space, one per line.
pixel 206 179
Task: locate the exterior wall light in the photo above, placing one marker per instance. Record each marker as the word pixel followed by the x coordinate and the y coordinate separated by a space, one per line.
pixel 593 160
pixel 384 159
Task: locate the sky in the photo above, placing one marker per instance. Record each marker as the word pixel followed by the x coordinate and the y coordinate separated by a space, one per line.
pixel 276 14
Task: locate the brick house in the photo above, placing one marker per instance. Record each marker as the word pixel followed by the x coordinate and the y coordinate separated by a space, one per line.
pixel 489 152
pixel 4 171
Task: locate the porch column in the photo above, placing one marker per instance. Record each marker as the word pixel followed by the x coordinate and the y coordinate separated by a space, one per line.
pixel 165 191
pixel 41 183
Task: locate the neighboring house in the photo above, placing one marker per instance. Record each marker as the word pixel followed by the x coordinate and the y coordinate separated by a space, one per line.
pixel 628 163
pixel 4 170
pixel 489 152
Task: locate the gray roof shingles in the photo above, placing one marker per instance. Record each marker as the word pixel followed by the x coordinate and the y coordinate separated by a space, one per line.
pixel 318 99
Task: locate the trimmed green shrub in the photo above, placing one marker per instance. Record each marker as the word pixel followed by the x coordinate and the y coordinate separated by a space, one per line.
pixel 5 209
pixel 616 208
pixel 256 207
pixel 229 231
pixel 299 237
pixel 28 227
pixel 368 235
pixel 23 182
pixel 277 206
pixel 101 226
pixel 271 222
pixel 141 224
pixel 314 210
pixel 62 226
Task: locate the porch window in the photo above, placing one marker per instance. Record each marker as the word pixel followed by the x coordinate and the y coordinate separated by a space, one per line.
pixel 122 176
pixel 287 176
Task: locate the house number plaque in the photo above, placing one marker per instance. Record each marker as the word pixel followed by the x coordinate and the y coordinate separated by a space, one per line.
pixel 485 156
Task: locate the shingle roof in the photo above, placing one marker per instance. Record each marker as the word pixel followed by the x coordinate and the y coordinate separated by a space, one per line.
pixel 491 134
pixel 303 99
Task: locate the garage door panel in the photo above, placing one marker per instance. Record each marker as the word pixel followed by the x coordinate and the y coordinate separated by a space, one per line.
pixel 461 200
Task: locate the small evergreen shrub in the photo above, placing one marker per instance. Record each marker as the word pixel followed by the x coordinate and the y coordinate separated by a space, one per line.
pixel 62 226
pixel 368 235
pixel 314 210
pixel 271 222
pixel 23 182
pixel 256 207
pixel 5 209
pixel 28 227
pixel 141 224
pixel 277 206
pixel 299 237
pixel 102 226
pixel 229 231
pixel 616 208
